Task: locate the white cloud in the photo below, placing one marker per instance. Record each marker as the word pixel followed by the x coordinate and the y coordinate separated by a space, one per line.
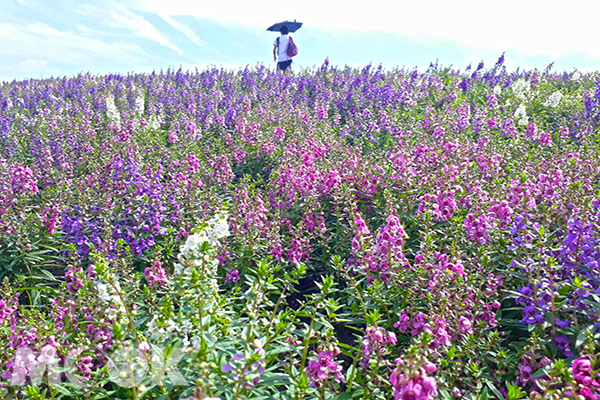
pixel 32 64
pixel 46 43
pixel 123 18
pixel 530 27
pixel 183 29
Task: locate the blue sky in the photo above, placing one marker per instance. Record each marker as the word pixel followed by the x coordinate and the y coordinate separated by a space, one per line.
pixel 43 38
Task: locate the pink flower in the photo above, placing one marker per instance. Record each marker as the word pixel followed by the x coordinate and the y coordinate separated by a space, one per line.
pixel 73 279
pixel 319 369
pixel 410 386
pixel 144 347
pixel 155 275
pixel 193 162
pixel 23 180
pixel 464 325
pixel 403 323
pixel 6 312
pixel 440 335
pixel 172 137
pixel 376 338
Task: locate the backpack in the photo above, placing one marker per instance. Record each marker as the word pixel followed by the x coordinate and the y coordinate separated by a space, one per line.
pixel 292 49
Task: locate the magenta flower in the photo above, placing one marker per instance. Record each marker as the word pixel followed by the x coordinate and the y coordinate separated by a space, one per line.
pixel 464 325
pixel 320 369
pixel 172 137
pixel 74 280
pixel 414 385
pixel 583 373
pixel 155 275
pixel 7 313
pixel 374 342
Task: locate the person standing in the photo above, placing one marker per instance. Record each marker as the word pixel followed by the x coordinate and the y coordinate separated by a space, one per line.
pixel 280 47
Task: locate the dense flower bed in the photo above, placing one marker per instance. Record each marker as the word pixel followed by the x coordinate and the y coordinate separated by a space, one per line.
pixel 330 234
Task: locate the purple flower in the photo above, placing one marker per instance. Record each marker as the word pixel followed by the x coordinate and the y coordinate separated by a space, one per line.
pixel 232 276
pixel 563 343
pixel 500 60
pixel 563 323
pixel 532 315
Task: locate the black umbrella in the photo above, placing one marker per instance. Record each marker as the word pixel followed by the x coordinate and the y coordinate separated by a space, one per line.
pixel 292 26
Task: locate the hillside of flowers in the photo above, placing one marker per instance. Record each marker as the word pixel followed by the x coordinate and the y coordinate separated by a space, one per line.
pixel 331 233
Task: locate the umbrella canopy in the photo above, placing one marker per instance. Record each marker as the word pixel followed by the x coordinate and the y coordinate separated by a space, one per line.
pixel 292 26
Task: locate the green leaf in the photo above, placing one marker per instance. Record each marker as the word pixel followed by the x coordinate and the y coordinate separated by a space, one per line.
pixel 515 392
pixel 451 352
pixel 494 390
pixel 582 336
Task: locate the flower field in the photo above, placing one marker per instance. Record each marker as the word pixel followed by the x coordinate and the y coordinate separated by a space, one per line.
pixel 335 233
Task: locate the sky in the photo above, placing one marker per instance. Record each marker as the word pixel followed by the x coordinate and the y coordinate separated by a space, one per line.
pixel 45 38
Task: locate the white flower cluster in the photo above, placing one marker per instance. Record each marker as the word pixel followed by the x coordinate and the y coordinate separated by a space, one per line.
pixel 111 110
pixel 554 99
pixel 576 75
pixel 139 105
pixel 183 329
pixel 110 295
pixel 155 122
pixel 197 252
pixel 521 88
pixel 497 90
pixel 521 115
pixel 191 254
pixel 161 331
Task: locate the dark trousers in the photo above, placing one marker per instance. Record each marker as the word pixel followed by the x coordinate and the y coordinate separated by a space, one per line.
pixel 283 65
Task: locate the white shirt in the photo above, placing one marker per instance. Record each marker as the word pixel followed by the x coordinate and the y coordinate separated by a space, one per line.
pixel 284 41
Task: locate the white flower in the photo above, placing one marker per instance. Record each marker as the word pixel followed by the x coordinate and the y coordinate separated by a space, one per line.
pixel 190 255
pixel 520 84
pixel 521 88
pixel 521 115
pixel 139 105
pixel 213 266
pixel 111 296
pixel 217 229
pixel 220 228
pixel 554 99
pixel 179 268
pixel 102 289
pixel 111 313
pixel 189 249
pixel 161 331
pixel 497 90
pixel 9 103
pixel 170 326
pixel 111 110
pixel 576 75
pixel 154 122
